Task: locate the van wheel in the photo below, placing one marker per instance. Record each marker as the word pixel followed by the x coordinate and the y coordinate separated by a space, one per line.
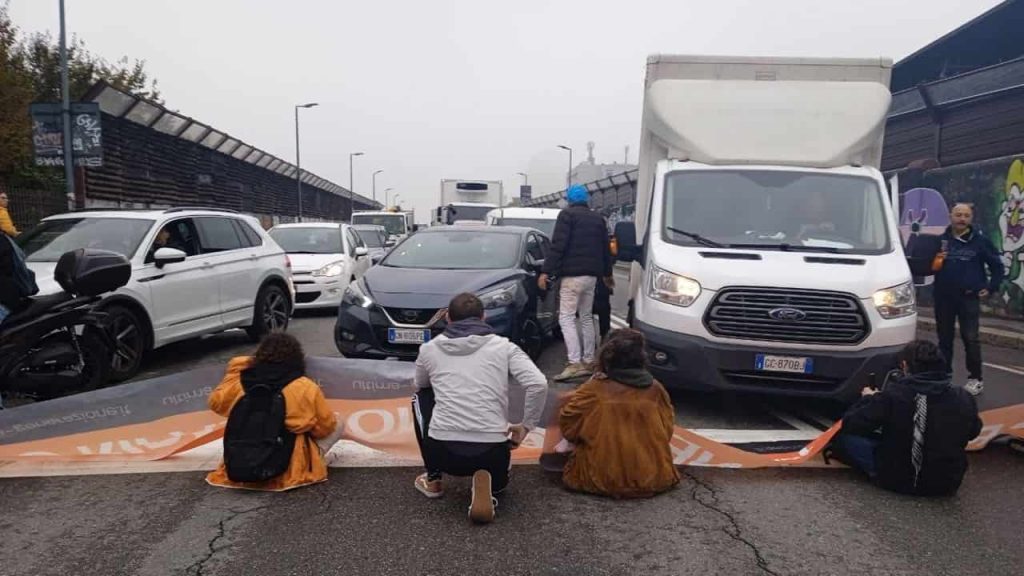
pixel 126 329
pixel 270 313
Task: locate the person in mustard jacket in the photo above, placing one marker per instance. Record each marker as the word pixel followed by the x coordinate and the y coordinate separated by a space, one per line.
pixel 621 422
pixel 6 224
pixel 280 357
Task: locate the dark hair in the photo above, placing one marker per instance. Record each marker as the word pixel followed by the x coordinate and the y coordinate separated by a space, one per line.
pixel 622 349
pixel 280 348
pixel 465 306
pixel 923 356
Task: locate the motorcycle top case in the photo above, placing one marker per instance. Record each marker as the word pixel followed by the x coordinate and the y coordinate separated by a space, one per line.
pixel 88 272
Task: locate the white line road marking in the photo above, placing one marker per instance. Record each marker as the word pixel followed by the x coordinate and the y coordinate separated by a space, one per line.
pixel 727 436
pixel 794 421
pixel 1003 368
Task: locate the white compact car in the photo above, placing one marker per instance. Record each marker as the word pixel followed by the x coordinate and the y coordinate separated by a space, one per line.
pixel 194 272
pixel 326 258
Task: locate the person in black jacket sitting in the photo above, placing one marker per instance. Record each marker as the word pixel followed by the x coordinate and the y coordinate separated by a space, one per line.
pixel 580 257
pixel 925 424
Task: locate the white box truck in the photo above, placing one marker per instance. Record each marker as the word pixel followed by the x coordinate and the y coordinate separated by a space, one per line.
pixel 468 200
pixel 765 256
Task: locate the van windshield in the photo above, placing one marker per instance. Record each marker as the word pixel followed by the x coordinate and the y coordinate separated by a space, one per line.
pixel 393 223
pixel 775 210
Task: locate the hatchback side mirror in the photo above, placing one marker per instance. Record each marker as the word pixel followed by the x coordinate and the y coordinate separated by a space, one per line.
pixel 361 251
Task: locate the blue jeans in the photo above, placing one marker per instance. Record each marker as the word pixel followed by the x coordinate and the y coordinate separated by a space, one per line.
pixel 859 452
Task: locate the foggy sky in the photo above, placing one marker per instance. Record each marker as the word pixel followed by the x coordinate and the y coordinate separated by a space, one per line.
pixel 458 89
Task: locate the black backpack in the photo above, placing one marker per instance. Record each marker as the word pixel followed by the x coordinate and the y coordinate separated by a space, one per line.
pixel 257 445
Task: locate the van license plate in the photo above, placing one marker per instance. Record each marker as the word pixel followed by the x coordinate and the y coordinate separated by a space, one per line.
pixel 768 363
pixel 399 336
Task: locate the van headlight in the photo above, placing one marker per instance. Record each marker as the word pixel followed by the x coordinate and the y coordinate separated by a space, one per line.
pixel 672 288
pixel 332 269
pixel 355 295
pixel 896 302
pixel 499 297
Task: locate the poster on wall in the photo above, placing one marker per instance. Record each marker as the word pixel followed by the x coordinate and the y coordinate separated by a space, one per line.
pixel 48 134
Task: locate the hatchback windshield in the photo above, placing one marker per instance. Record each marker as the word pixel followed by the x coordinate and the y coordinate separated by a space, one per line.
pixel 308 240
pixel 768 209
pixel 372 238
pixel 394 223
pixel 51 238
pixel 457 250
pixel 545 226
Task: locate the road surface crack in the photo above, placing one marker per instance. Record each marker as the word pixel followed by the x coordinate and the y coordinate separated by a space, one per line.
pixel 196 569
pixel 733 530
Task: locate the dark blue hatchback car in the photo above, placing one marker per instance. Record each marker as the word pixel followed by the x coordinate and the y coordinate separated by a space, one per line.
pixel 401 303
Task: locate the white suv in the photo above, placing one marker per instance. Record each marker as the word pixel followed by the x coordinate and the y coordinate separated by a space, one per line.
pixel 194 272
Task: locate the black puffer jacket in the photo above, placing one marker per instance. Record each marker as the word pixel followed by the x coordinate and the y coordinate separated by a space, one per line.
pixel 579 246
pixel 952 423
pixel 10 296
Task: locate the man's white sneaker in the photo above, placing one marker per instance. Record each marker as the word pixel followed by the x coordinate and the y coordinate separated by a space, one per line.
pixel 974 386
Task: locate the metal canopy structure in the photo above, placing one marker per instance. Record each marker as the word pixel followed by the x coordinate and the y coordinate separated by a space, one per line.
pixel 127 106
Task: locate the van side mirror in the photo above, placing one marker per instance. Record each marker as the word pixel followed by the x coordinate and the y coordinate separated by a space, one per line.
pixel 625 240
pixel 165 256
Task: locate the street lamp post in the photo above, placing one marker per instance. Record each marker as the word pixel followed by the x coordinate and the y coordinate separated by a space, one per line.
pixel 387 203
pixel 65 109
pixel 526 178
pixel 568 175
pixel 298 159
pixel 375 184
pixel 396 199
pixel 351 191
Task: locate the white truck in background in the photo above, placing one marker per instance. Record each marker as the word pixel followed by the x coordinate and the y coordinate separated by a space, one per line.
pixel 398 224
pixel 765 255
pixel 468 200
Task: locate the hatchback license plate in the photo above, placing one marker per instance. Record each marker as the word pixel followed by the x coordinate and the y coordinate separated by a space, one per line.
pixel 768 363
pixel 399 336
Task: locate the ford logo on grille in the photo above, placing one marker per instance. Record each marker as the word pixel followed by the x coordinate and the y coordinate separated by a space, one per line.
pixel 787 314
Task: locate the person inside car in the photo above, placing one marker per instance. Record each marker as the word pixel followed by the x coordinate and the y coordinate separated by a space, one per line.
pixel 165 238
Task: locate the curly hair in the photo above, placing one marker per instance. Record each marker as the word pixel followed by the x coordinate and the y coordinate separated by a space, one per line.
pixel 280 348
pixel 622 349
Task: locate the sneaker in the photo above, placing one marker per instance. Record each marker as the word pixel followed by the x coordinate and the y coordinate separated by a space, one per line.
pixel 974 386
pixel 483 503
pixel 429 488
pixel 573 371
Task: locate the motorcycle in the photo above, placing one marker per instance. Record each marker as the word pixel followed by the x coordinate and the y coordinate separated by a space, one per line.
pixel 59 343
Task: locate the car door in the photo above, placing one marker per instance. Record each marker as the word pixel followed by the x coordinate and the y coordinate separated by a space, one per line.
pixel 184 296
pixel 360 264
pixel 229 259
pixel 532 253
pixel 547 301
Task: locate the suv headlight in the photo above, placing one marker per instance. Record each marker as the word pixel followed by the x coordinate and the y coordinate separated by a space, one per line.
pixel 355 295
pixel 896 302
pixel 332 269
pixel 499 297
pixel 672 288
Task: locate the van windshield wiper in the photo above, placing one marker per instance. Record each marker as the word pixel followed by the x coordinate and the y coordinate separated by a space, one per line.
pixel 696 238
pixel 790 247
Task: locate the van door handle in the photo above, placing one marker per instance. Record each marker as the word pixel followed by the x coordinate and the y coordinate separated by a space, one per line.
pixel 207 265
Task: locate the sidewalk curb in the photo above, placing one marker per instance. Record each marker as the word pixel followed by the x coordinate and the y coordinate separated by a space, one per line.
pixel 992 336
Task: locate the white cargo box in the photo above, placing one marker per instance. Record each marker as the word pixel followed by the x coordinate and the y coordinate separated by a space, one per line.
pixel 817 113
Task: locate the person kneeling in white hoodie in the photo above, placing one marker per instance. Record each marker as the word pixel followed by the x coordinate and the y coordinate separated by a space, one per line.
pixel 461 405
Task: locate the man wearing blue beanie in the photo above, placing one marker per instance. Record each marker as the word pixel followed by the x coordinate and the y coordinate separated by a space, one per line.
pixel 579 257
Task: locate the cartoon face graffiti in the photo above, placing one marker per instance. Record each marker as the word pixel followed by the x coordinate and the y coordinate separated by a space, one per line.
pixel 1011 225
pixel 1011 214
pixel 924 212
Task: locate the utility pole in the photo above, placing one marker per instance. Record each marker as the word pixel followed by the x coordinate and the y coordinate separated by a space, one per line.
pixel 65 109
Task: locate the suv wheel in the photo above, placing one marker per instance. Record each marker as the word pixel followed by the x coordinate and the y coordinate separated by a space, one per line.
pixel 126 329
pixel 270 313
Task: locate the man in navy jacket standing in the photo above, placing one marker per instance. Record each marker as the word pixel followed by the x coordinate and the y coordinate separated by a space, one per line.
pixel 960 285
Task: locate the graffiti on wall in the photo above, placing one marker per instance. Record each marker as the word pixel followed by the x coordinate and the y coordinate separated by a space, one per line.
pixel 1011 231
pixel 996 189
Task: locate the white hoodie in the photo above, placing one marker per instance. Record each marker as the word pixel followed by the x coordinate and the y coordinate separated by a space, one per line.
pixel 470 378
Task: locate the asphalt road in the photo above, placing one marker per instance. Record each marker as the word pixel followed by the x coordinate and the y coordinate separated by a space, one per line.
pixel 371 521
